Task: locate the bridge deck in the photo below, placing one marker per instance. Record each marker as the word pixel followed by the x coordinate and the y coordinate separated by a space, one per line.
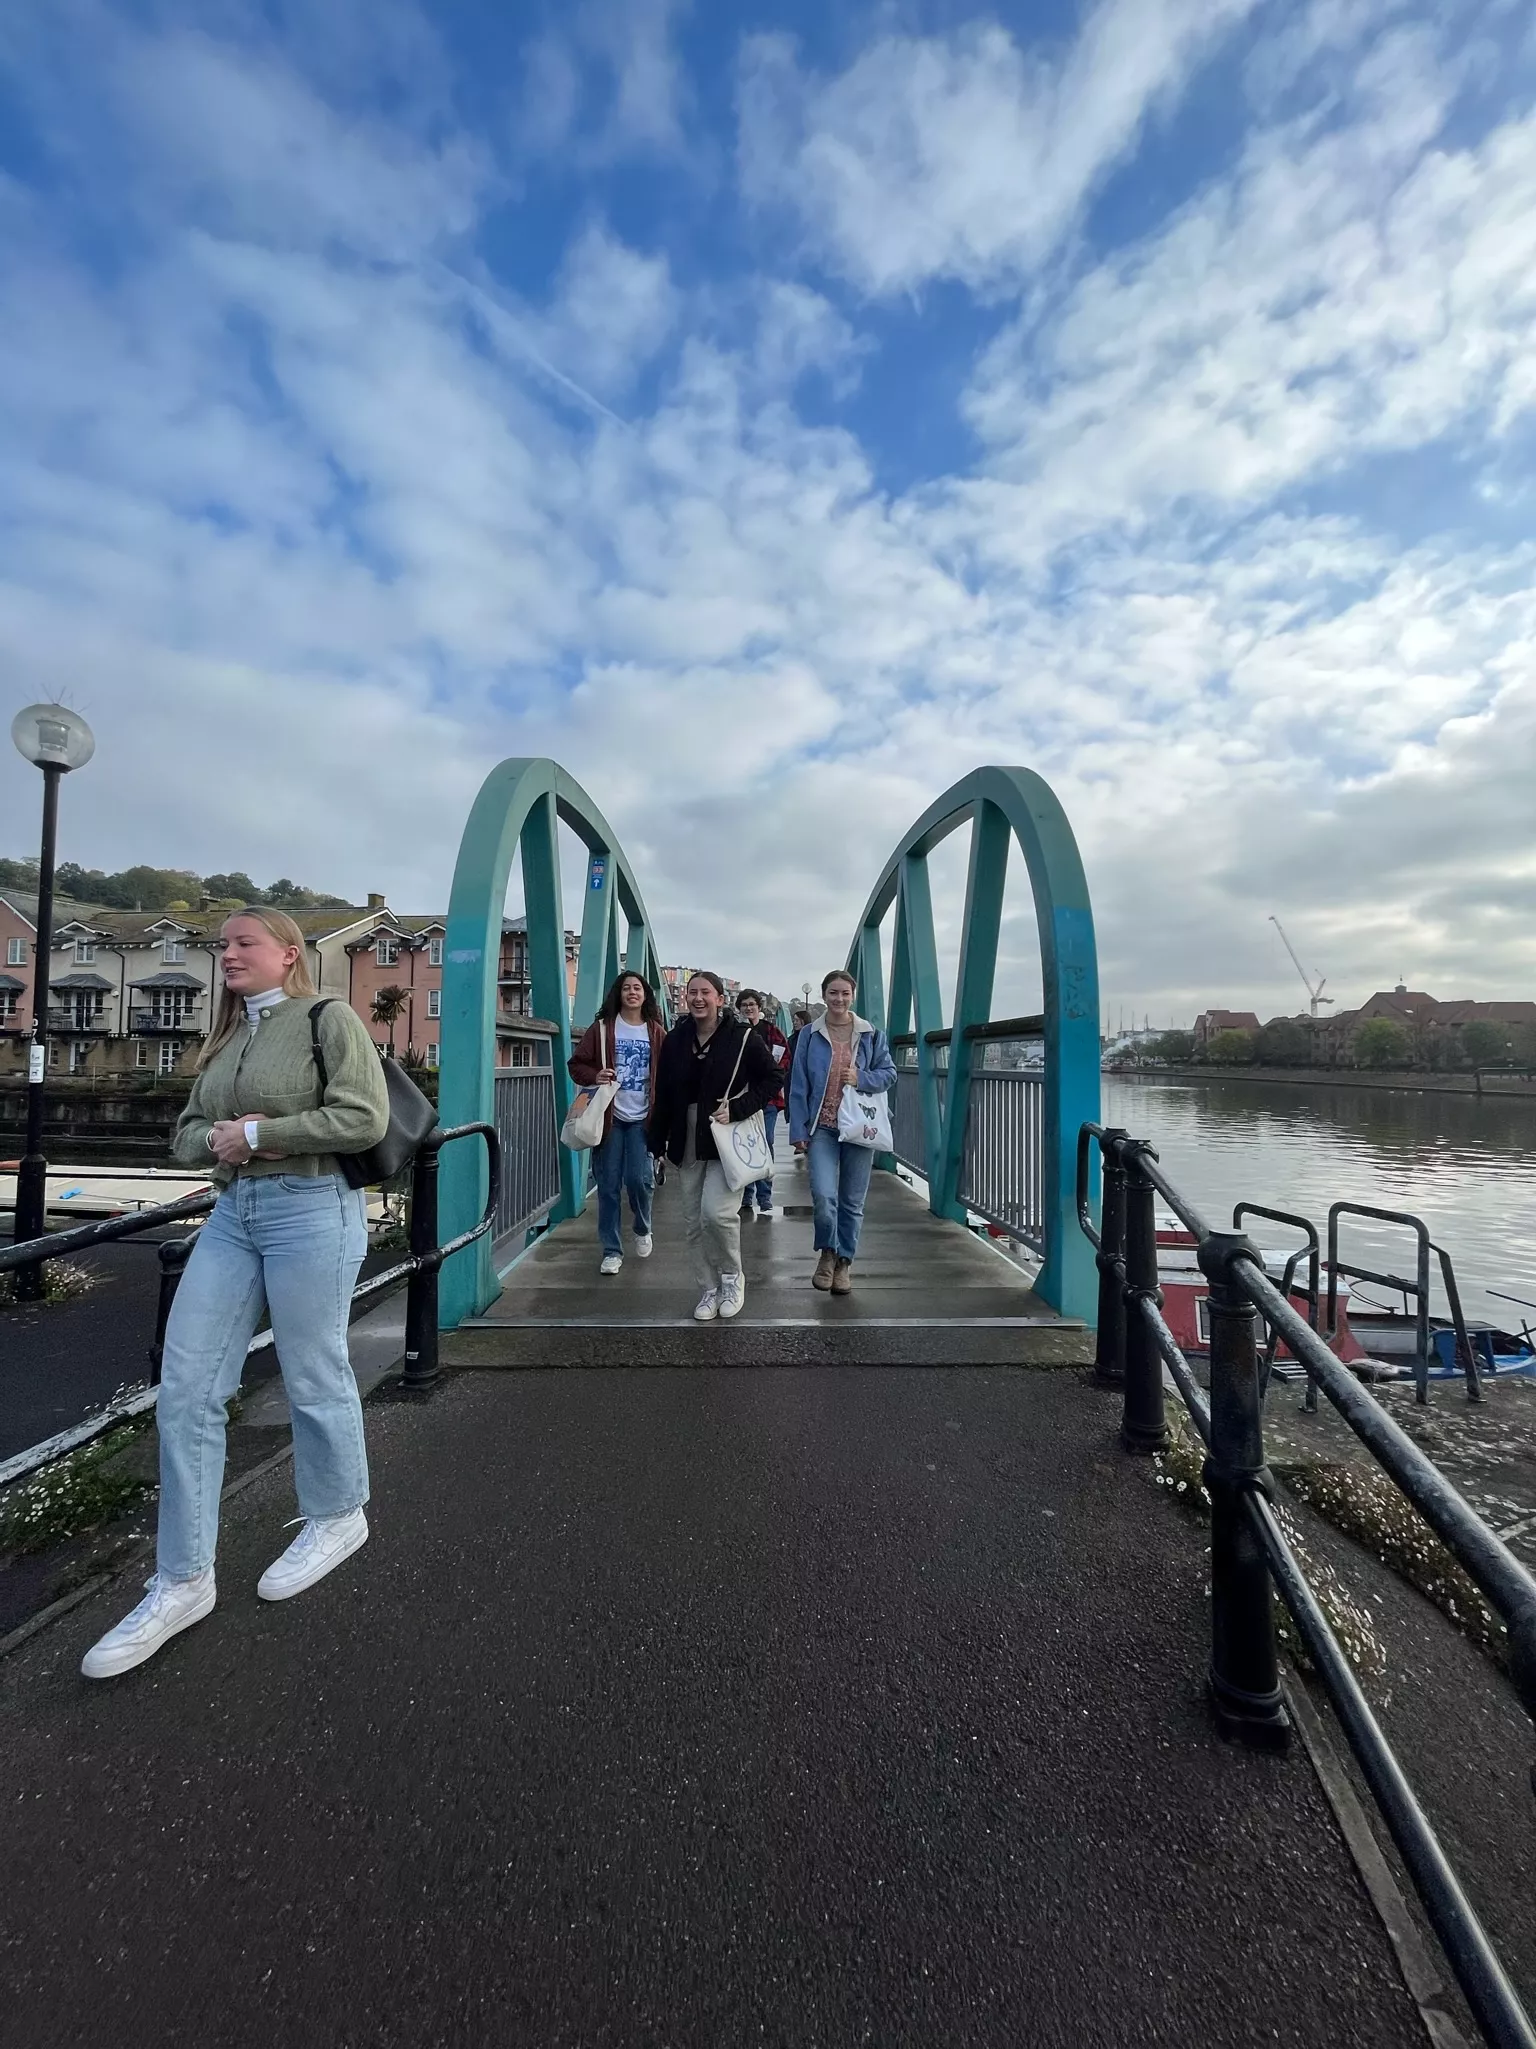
pixel 796 1706
pixel 925 1292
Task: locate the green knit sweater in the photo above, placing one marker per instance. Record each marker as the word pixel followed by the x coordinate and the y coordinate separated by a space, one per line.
pixel 271 1075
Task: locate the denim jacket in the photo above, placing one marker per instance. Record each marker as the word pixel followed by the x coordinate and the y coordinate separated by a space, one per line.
pixel 813 1064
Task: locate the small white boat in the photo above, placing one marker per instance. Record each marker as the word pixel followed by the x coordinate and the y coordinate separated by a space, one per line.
pixel 79 1193
pixel 104 1191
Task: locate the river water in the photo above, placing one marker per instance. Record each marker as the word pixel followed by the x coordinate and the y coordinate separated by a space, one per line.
pixel 1465 1164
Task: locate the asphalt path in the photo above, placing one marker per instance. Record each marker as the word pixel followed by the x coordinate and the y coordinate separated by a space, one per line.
pixel 693 1706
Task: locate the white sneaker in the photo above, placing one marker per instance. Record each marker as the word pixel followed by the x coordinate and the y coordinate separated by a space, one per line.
pixel 169 1605
pixel 612 1261
pixel 643 1242
pixel 770 1211
pixel 733 1293
pixel 318 1549
pixel 708 1306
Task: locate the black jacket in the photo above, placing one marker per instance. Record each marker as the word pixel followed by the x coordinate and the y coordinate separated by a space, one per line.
pixel 757 1084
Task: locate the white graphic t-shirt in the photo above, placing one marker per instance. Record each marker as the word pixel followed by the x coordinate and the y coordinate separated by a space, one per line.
pixel 632 1064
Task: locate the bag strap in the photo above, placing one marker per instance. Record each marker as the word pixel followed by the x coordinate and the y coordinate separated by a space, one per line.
pixel 730 1087
pixel 314 1042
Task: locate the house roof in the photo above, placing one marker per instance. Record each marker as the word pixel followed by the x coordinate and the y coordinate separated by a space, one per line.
pixel 24 903
pixel 10 982
pixel 81 981
pixel 1231 1020
pixel 169 978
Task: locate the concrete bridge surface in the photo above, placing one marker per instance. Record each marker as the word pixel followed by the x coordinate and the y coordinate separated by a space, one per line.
pixel 787 1701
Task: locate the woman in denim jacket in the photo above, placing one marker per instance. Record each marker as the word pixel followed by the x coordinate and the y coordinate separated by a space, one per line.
pixel 838 1049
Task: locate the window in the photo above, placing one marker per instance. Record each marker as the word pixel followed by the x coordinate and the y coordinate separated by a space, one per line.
pixel 85 952
pixel 172 950
pixel 79 1053
pixel 435 952
pixel 434 1003
pixel 387 952
pixel 15 952
pixel 170 1053
pixel 141 1053
pixel 522 1054
pixel 7 1005
pixel 432 1053
pixel 53 1052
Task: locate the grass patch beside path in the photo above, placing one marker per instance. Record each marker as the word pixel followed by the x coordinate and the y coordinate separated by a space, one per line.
pixel 78 1492
pixel 63 1281
pixel 1364 1504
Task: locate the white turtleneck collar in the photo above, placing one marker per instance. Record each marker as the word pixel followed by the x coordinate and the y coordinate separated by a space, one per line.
pixel 255 1005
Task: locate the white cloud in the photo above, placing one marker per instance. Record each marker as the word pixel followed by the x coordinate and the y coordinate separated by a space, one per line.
pixel 1355 290
pixel 301 508
pixel 606 86
pixel 963 155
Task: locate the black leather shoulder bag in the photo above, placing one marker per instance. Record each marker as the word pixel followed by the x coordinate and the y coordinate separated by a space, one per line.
pixel 411 1116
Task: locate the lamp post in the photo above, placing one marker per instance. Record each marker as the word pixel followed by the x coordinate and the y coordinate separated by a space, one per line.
pixel 55 740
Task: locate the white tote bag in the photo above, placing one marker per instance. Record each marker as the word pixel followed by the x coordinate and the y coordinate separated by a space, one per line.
pixel 744 1152
pixel 864 1118
pixel 584 1121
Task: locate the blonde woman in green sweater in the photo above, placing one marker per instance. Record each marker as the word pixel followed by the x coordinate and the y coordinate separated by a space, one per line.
pixel 286 1235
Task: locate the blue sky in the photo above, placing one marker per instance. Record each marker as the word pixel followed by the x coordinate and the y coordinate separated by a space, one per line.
pixel 773 412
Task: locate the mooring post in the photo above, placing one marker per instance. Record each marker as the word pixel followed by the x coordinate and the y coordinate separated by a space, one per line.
pixel 1245 1672
pixel 1143 1427
pixel 1109 1349
pixel 173 1254
pixel 420 1371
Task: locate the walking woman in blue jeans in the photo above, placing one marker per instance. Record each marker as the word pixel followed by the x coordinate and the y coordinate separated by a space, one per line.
pixel 838 1049
pixel 622 1044
pixel 286 1235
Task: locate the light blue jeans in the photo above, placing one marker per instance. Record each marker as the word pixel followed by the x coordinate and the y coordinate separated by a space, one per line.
pixel 623 1160
pixel 291 1245
pixel 761 1191
pixel 839 1176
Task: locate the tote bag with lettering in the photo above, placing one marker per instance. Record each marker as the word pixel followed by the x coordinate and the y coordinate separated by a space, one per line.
pixel 744 1152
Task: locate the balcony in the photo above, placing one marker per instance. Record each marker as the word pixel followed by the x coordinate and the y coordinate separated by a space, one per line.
pixel 73 1022
pixel 158 1023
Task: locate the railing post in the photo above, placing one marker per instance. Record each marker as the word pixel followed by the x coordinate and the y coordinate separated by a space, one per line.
pixel 1143 1427
pixel 1109 1350
pixel 421 1369
pixel 1245 1673
pixel 173 1254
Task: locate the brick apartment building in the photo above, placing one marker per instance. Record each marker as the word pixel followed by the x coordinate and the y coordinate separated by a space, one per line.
pixel 134 992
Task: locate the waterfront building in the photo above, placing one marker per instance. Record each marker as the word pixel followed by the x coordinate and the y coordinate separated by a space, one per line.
pixel 133 992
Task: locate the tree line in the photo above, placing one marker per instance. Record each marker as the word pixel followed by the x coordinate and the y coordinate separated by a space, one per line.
pixel 1381 1042
pixel 142 888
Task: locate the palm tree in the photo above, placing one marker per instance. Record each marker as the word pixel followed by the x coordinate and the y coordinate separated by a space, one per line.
pixel 389 1006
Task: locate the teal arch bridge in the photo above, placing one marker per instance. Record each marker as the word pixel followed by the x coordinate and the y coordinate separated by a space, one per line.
pixel 986 1111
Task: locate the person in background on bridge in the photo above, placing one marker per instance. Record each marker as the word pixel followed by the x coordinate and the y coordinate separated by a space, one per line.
pixel 629 1023
pixel 837 1049
pixel 693 1079
pixel 286 1235
pixel 749 1007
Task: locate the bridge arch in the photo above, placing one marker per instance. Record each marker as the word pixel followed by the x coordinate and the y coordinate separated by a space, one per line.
pixel 519 808
pixel 1002 805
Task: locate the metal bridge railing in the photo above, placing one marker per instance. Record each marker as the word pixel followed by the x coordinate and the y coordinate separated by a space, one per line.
pixel 524 1111
pixel 1002 1178
pixel 418 1271
pixel 1002 1171
pixel 1249 1549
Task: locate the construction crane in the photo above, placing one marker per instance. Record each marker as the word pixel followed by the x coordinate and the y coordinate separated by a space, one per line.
pixel 1314 993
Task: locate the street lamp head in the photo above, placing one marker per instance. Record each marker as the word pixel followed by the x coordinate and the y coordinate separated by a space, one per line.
pixel 53 736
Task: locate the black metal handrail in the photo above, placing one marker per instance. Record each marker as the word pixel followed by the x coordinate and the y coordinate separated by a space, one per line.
pixel 418 1270
pixel 1249 1549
